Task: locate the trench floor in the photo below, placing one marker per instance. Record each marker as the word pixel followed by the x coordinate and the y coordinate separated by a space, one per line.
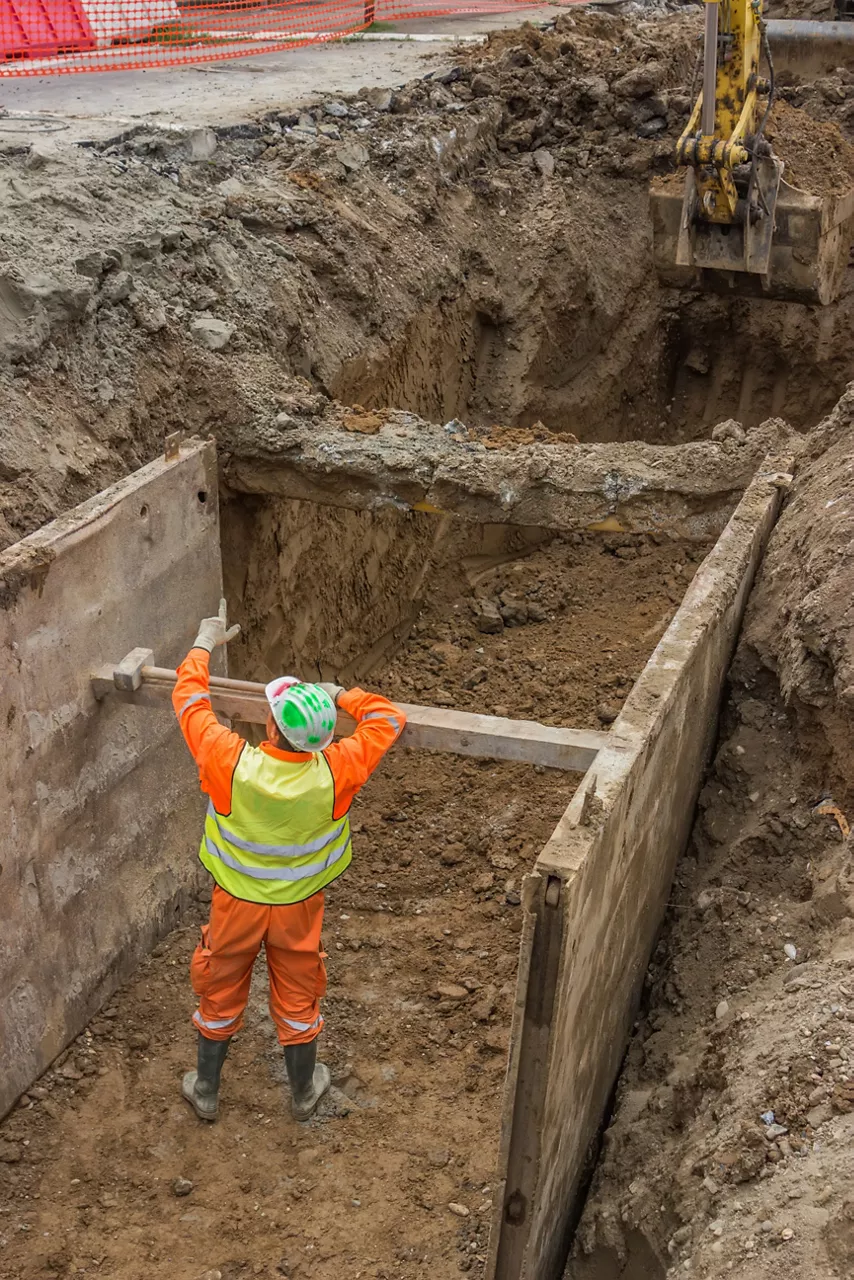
pixel 422 942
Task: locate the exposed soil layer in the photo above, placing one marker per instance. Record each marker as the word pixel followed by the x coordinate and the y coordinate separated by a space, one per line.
pixel 474 244
pixel 730 1149
pixel 421 935
pixel 817 157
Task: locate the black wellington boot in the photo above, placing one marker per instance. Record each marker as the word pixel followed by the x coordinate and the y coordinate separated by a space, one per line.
pixel 201 1087
pixel 309 1079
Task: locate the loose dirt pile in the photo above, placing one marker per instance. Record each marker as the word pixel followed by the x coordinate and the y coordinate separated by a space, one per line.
pixel 395 1178
pixel 474 244
pixel 817 157
pixel 730 1149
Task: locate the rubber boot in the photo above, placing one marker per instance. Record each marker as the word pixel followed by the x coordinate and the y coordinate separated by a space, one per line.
pixel 201 1087
pixel 308 1078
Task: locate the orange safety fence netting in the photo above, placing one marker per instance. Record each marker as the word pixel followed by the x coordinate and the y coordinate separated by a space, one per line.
pixel 45 37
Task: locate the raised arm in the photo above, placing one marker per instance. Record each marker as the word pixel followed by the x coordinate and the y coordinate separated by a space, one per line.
pixel 215 749
pixel 379 723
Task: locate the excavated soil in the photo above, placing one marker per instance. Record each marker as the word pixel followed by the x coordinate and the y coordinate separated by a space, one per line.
pixel 421 935
pixel 817 157
pixel 475 245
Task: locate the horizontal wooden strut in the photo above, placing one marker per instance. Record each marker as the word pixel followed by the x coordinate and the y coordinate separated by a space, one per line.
pixel 429 728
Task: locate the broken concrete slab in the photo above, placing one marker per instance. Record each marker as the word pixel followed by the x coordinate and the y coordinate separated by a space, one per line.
pixel 391 458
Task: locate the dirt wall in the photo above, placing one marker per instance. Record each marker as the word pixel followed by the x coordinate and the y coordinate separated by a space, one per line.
pixel 97 796
pixel 325 591
pixel 729 1151
pixel 476 246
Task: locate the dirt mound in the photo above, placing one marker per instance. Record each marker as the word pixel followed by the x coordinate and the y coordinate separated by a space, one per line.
pixel 818 10
pixel 817 157
pixel 801 619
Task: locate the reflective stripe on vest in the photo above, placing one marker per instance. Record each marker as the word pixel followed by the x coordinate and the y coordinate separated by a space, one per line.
pixel 280 843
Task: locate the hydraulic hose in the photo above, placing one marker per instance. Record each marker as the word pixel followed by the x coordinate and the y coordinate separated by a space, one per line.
pixel 760 130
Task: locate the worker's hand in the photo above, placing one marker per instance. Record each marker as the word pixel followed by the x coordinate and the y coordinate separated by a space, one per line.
pixel 215 631
pixel 334 690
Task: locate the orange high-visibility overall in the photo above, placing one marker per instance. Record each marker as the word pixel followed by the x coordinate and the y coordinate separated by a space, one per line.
pixel 244 917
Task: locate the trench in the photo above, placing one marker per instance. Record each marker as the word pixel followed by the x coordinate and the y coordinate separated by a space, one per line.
pixel 430 908
pixel 422 932
pixel 651 365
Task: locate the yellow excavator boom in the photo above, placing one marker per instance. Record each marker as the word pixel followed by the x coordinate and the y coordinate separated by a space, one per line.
pixel 735 225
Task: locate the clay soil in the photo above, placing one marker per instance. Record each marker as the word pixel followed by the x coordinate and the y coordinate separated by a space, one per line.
pixel 422 941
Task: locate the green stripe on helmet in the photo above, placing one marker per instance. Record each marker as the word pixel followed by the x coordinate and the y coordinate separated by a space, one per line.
pixel 306 715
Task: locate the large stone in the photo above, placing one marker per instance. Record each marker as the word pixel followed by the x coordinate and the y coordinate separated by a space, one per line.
pixel 451 991
pixel 40 155
pixel 640 81
pixel 650 128
pixel 820 1115
pixel 230 187
pixel 379 99
pixel 116 288
pixel 212 333
pixel 545 162
pixel 202 144
pixel 352 155
pixel 487 617
pixel 483 86
pixel 729 430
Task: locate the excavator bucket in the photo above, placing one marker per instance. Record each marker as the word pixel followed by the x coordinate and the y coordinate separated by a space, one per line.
pixel 798 252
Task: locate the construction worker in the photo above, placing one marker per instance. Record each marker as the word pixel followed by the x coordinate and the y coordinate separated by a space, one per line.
pixel 276 833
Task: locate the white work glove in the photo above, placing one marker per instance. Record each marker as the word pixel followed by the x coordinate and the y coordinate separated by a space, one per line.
pixel 334 690
pixel 215 631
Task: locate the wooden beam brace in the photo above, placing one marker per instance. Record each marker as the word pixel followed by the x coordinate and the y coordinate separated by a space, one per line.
pixel 429 728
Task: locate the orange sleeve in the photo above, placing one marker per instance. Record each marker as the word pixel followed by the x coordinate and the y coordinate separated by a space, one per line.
pixel 379 723
pixel 216 750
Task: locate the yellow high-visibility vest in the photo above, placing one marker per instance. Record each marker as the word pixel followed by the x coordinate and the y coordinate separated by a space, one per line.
pixel 280 843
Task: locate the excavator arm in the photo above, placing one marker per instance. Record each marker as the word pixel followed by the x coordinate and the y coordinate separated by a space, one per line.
pixel 735 225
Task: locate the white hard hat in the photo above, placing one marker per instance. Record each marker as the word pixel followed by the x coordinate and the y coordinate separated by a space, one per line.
pixel 304 713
